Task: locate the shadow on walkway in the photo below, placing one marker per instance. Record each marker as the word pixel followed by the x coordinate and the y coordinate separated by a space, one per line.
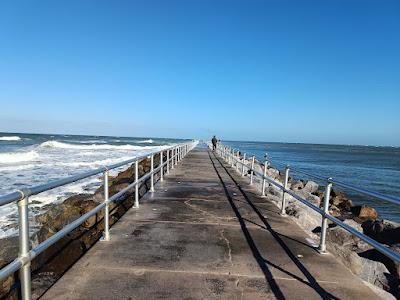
pixel 263 263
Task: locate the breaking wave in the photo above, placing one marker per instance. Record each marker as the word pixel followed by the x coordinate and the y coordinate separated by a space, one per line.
pixel 56 144
pixel 10 138
pixel 14 157
pixel 150 141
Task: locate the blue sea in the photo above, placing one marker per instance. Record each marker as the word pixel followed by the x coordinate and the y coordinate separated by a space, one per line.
pixel 31 159
pixel 369 167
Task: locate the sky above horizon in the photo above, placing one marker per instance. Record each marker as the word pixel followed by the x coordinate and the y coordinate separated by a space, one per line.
pixel 290 71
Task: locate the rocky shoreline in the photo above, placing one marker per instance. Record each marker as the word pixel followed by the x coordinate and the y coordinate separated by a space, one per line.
pixel 50 265
pixel 362 259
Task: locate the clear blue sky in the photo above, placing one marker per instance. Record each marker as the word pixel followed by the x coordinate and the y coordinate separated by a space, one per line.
pixel 294 71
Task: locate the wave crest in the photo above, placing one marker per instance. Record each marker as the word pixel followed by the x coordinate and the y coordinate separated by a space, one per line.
pixel 149 141
pixel 10 138
pixel 14 157
pixel 56 144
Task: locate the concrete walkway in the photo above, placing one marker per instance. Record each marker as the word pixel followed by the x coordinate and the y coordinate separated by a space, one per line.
pixel 205 234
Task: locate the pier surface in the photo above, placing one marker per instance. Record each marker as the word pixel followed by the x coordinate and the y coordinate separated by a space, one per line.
pixel 206 234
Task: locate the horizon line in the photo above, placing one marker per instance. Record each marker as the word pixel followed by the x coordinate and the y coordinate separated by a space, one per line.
pixel 200 139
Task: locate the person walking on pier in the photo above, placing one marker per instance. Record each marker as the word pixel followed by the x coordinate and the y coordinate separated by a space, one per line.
pixel 214 142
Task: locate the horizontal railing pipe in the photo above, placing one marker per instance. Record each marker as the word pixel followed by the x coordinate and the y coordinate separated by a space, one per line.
pixel 34 190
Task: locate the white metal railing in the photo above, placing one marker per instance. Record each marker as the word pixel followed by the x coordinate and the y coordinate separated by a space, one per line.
pixel 233 157
pixel 22 263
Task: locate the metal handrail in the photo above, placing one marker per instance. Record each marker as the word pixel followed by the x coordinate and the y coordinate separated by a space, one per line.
pixel 229 155
pixel 25 256
pixel 367 192
pixel 33 190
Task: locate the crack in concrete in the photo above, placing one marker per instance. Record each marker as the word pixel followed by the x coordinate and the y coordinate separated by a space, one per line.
pixel 195 208
pixel 228 244
pixel 241 288
pixel 137 270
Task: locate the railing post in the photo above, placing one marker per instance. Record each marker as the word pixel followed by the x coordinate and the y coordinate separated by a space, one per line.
pixel 172 158
pixel 25 271
pixel 137 184
pixel 244 162
pixel 152 173
pixel 161 166
pixel 168 161
pixel 285 184
pixel 224 152
pixel 237 160
pixel 324 223
pixel 265 175
pixel 252 170
pixel 232 158
pixel 106 234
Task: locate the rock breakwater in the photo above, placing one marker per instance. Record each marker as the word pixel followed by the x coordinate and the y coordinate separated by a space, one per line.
pixel 362 259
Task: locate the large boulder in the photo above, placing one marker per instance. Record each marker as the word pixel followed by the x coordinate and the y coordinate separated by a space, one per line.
pixel 364 212
pixel 341 237
pixel 376 273
pixel 314 199
pixel 346 255
pixel 338 199
pixel 273 173
pixel 311 187
pixel 297 185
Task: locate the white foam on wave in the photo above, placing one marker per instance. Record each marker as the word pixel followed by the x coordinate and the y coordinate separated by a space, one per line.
pixel 93 164
pixel 56 144
pixel 10 138
pixel 15 157
pixel 54 159
pixel 149 141
pixel 13 168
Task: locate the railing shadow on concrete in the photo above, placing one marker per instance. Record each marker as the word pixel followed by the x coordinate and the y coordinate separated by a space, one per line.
pixel 22 263
pixel 234 158
pixel 262 262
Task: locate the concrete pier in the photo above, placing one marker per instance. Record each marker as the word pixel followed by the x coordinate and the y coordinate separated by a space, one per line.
pixel 206 234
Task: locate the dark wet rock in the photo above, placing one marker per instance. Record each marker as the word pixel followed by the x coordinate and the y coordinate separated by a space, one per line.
pixel 292 210
pixel 8 249
pixel 41 281
pixel 382 231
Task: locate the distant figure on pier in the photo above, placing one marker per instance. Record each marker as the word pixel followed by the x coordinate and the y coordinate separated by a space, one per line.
pixel 214 142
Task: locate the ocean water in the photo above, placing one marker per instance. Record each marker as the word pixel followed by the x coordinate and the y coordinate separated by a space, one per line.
pixel 370 167
pixel 31 159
